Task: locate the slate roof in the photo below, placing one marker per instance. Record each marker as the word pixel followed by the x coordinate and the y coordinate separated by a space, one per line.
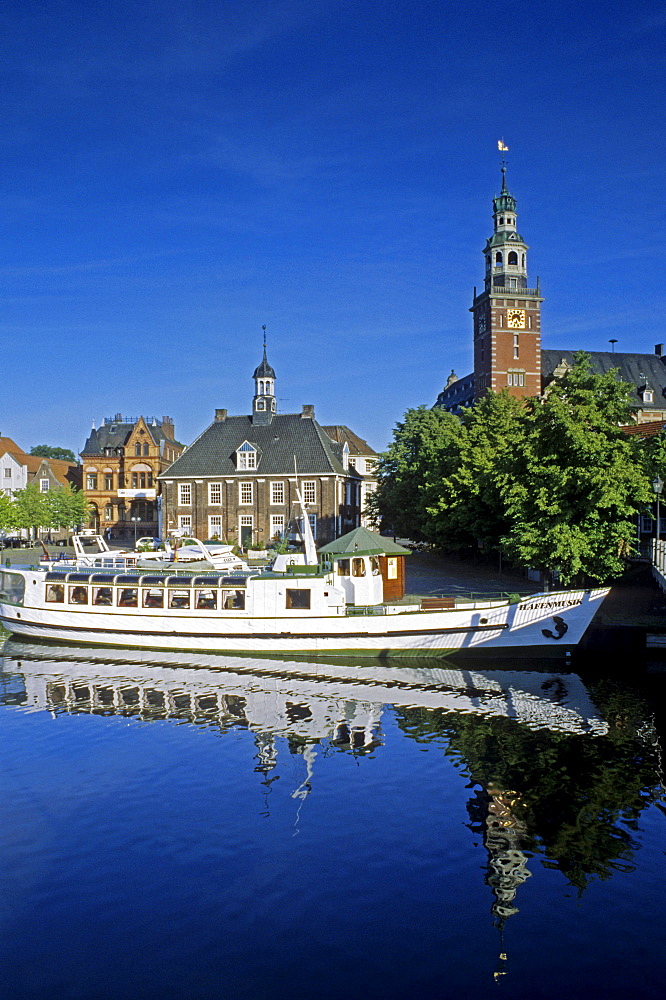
pixel 637 369
pixel 114 435
pixel 363 542
pixel 264 370
pixel 288 435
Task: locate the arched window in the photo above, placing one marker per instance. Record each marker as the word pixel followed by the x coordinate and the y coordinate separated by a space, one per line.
pixel 523 260
pixel 498 257
pixel 488 262
pixel 502 221
pixel 513 259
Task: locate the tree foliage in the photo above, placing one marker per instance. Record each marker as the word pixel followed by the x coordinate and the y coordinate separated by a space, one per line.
pixel 553 482
pixel 49 451
pixel 579 482
pixel 64 507
pixel 424 449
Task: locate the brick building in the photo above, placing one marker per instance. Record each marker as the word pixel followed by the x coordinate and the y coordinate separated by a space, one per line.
pixel 122 461
pixel 507 334
pixel 237 481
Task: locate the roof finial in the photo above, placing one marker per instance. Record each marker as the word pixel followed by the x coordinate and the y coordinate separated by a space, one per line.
pixel 264 329
pixel 503 149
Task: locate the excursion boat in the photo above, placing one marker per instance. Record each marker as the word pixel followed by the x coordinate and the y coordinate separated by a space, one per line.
pixel 345 599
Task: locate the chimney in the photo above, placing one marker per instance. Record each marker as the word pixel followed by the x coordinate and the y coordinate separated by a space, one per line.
pixel 220 416
pixel 308 411
pixel 659 350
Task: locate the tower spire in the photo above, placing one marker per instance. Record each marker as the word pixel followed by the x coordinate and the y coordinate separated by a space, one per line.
pixel 503 150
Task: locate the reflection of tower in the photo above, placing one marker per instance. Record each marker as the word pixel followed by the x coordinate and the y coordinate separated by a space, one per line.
pixel 492 816
pixel 267 761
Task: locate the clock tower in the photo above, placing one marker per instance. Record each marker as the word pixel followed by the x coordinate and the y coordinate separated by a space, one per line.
pixel 507 322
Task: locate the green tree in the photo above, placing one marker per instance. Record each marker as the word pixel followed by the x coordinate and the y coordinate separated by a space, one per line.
pixel 466 507
pixel 67 507
pixel 9 516
pixel 49 451
pixel 578 482
pixel 32 507
pixel 425 447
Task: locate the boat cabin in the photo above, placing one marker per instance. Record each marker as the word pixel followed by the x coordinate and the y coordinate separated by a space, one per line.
pixel 366 566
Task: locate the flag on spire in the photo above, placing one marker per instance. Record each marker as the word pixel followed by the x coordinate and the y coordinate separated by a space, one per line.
pixel 502 148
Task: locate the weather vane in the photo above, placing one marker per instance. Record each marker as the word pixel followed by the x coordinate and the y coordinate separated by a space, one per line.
pixel 264 329
pixel 503 148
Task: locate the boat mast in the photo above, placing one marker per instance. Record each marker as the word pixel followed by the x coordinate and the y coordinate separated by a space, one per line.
pixel 308 538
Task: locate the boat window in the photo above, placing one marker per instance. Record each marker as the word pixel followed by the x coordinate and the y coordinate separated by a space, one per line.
pixel 55 593
pixel 12 588
pixel 233 599
pixel 102 595
pixel 179 598
pixel 358 567
pixel 374 563
pixel 128 597
pixel 205 599
pixel 153 598
pixel 298 599
pixel 78 595
pixel 343 567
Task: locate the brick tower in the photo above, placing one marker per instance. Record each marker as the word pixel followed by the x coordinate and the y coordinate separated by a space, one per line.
pixel 507 323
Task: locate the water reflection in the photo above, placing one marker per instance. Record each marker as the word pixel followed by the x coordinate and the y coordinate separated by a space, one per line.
pixel 555 768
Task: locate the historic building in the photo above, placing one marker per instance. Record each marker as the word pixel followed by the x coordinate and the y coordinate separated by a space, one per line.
pixel 238 480
pixel 507 333
pixel 18 469
pixel 122 460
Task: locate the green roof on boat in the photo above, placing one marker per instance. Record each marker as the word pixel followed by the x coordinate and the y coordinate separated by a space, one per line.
pixel 363 542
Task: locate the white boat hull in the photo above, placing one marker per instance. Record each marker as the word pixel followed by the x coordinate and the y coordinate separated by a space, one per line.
pixel 545 622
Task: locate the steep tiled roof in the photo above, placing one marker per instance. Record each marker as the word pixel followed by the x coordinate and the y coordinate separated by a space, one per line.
pixel 649 429
pixel 342 433
pixel 7 445
pixel 289 436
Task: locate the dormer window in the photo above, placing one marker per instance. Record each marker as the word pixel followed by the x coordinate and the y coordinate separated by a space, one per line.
pixel 246 456
pixel 648 396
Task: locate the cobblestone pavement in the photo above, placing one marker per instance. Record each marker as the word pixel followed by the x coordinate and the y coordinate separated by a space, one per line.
pixel 426 574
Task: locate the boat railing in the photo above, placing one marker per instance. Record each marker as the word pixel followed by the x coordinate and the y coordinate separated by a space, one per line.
pixel 353 610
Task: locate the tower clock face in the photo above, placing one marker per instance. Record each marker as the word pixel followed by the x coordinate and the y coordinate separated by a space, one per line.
pixel 515 319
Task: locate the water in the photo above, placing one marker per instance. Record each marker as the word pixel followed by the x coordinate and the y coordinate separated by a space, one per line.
pixel 211 827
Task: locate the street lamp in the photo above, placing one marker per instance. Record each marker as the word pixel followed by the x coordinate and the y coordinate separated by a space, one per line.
pixel 136 521
pixel 657 486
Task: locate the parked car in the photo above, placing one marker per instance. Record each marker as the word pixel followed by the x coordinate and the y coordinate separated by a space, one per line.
pixel 11 541
pixel 147 543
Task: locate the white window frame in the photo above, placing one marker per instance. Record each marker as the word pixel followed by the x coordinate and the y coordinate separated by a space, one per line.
pixel 215 494
pixel 277 525
pixel 185 495
pixel 277 494
pixel 245 490
pixel 246 457
pixel 185 521
pixel 215 525
pixel 309 490
pixel 312 518
pixel 44 485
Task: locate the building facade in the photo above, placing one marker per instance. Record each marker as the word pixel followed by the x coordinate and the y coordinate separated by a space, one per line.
pixel 237 482
pixel 507 334
pixel 18 469
pixel 122 461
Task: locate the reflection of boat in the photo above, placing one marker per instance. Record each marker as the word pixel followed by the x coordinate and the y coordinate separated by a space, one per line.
pixel 311 699
pixel 333 603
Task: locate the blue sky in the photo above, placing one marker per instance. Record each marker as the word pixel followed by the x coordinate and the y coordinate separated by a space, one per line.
pixel 177 174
